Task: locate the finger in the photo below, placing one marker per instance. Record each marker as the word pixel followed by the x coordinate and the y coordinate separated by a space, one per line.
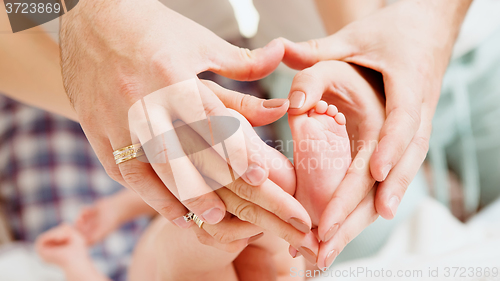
pixel 204 112
pixel 391 191
pixel 258 112
pixel 403 121
pixel 364 215
pixel 145 182
pixel 243 64
pixel 267 195
pixel 231 228
pixel 306 54
pixel 305 243
pixel 150 124
pixel 206 239
pixel 351 191
pixel 309 85
pixel 281 170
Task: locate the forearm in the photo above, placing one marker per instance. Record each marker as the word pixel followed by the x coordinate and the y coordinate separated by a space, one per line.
pixel 30 70
pixel 338 13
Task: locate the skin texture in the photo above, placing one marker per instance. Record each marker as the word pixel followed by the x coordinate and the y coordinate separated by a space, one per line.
pixel 357 92
pixel 30 70
pixel 122 56
pixel 423 39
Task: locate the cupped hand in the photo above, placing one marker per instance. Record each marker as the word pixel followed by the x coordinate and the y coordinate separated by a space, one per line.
pixel 116 53
pixel 358 93
pixel 410 44
pixel 250 209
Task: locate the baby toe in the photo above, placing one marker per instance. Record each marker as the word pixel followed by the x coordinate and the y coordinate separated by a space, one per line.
pixel 321 107
pixel 332 110
pixel 340 118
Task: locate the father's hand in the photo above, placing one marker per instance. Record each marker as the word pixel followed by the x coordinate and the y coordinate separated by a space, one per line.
pixel 116 52
pixel 410 43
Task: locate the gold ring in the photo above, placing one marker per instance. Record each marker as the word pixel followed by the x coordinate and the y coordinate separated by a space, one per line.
pixel 192 217
pixel 128 153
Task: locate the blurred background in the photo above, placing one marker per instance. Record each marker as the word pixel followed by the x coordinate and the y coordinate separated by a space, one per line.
pixel 450 214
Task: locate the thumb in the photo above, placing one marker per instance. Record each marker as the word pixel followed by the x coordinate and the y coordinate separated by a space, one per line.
pixel 242 64
pixel 257 111
pixel 306 54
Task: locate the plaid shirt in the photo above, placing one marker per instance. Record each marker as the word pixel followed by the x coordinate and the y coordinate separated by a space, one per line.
pixel 48 172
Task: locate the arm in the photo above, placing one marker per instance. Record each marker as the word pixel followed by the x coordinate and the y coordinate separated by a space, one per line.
pixel 30 70
pixel 339 13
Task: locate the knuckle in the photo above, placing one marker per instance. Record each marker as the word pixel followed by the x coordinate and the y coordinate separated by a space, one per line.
pixel 286 235
pixel 246 212
pixel 342 207
pixel 114 173
pixel 134 177
pixel 346 238
pixel 204 239
pixel 196 203
pixel 313 44
pixel 422 143
pixel 223 236
pixel 404 181
pixel 413 115
pixel 245 100
pixel 305 75
pixel 167 210
pixel 242 189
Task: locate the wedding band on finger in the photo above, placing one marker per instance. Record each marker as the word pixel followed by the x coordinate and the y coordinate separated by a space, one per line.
pixel 128 153
pixel 192 217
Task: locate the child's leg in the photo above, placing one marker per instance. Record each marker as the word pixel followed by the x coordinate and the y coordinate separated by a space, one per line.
pixel 107 214
pixel 167 252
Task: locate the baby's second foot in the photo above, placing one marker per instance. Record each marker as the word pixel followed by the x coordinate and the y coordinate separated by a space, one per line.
pixel 321 156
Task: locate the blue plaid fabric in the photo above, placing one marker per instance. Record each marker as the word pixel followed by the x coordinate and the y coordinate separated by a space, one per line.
pixel 48 172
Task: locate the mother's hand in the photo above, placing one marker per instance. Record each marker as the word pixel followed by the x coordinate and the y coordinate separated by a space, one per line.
pixel 114 53
pixel 357 92
pixel 251 209
pixel 410 43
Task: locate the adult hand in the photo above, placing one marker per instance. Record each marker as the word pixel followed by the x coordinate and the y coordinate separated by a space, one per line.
pixel 114 53
pixel 243 201
pixel 409 43
pixel 357 92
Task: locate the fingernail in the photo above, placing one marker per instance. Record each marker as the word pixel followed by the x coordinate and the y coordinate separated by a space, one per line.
pixel 297 99
pixel 274 103
pixel 330 258
pixel 386 170
pixel 255 237
pixel 299 225
pixel 212 216
pixel 393 205
pixel 308 254
pixel 181 222
pixel 329 234
pixel 293 252
pixel 255 174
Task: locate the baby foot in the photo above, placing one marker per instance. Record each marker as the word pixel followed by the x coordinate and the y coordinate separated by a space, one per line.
pixel 97 221
pixel 321 156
